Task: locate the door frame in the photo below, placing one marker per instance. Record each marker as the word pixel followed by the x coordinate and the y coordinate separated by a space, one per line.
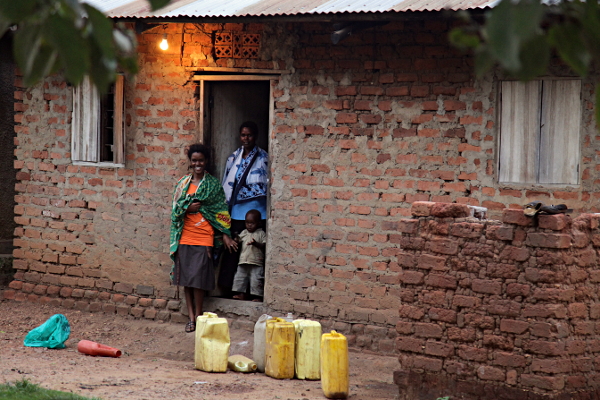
pixel 223 77
pixel 202 78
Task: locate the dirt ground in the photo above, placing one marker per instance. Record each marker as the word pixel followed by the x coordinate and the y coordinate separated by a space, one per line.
pixel 157 362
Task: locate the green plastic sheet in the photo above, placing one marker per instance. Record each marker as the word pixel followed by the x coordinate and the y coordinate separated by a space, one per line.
pixel 51 334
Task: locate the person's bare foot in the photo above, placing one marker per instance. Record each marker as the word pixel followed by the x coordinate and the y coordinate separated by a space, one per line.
pixel 241 296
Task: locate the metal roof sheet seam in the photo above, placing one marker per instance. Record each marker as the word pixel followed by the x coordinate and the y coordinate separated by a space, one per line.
pixel 265 8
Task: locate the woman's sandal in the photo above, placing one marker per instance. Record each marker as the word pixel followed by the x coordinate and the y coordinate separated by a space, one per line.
pixel 190 326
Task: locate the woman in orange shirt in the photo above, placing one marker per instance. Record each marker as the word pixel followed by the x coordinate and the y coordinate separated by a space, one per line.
pixel 199 221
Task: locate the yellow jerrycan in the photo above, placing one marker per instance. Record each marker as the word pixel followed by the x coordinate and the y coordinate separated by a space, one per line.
pixel 279 349
pixel 308 349
pixel 240 363
pixel 212 343
pixel 334 365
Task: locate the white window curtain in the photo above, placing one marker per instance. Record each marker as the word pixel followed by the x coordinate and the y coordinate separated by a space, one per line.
pixel 85 122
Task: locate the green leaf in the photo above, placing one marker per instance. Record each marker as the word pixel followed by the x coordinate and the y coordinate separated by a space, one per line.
pixel 462 39
pixel 17 10
pixel 73 50
pixel 102 70
pixel 35 59
pixel 125 43
pixel 129 64
pixel 156 4
pixel 534 56
pixel 43 65
pixel 75 7
pixel 26 45
pixel 571 47
pixel 502 42
pixel 101 31
pixel 483 61
pixel 589 19
pixel 527 16
pixel 4 25
pixel 508 26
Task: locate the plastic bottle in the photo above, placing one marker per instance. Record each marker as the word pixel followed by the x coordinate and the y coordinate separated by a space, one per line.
pixel 279 351
pixel 334 365
pixel 308 349
pixel 239 363
pixel 260 334
pixel 289 317
pixel 212 343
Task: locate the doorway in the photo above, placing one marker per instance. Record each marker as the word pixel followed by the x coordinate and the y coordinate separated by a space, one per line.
pixel 227 104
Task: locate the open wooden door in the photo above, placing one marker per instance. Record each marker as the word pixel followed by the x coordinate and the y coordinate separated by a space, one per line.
pixel 227 105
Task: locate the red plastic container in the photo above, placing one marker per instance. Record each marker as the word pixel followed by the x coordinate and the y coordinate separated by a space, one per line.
pixel 97 349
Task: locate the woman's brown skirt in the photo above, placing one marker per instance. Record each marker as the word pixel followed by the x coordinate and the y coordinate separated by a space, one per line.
pixel 194 267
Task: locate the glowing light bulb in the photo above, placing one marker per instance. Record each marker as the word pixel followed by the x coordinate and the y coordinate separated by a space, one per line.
pixel 164 45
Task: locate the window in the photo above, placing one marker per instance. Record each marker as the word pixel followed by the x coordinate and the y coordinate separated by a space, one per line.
pixel 539 132
pixel 97 124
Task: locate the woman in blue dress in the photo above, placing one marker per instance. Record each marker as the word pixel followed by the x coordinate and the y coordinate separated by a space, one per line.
pixel 245 183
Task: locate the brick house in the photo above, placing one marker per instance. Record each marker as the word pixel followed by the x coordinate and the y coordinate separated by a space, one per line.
pixel 356 132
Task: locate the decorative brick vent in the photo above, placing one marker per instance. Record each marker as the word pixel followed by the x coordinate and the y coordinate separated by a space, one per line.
pixel 236 44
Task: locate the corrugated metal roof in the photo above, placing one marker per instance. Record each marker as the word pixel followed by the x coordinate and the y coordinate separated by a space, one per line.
pixel 255 8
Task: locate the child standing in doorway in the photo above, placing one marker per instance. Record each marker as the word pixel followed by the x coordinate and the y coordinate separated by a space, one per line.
pixel 251 267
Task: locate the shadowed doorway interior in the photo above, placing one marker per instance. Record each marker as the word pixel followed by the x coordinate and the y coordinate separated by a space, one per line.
pixel 226 105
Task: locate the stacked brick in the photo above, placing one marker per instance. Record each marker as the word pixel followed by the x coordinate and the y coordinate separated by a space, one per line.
pixel 104 228
pixel 394 114
pixel 503 310
pixel 360 130
pixel 128 301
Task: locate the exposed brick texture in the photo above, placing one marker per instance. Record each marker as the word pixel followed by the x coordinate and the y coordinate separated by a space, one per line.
pixel 360 130
pixel 501 314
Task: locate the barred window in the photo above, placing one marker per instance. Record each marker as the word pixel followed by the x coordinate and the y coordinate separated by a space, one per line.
pixel 97 134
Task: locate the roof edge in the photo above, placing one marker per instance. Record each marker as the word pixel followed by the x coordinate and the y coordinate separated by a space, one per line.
pixel 325 17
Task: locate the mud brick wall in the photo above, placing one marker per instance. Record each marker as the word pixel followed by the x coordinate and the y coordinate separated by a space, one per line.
pixel 503 310
pixel 360 130
pixel 96 238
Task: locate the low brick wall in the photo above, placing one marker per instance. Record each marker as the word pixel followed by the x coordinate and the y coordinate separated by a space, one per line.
pixel 131 302
pixel 498 309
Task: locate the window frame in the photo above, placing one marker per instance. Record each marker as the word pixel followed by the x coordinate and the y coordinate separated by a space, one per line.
pixel 535 147
pixel 86 134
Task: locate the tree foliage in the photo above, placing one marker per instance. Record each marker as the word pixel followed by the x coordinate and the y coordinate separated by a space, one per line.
pixel 67 36
pixel 520 37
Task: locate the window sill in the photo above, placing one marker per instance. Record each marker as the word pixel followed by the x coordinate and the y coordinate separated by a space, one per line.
pixel 104 164
pixel 539 186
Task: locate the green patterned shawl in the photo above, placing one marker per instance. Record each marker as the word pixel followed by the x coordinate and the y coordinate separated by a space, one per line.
pixel 212 207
